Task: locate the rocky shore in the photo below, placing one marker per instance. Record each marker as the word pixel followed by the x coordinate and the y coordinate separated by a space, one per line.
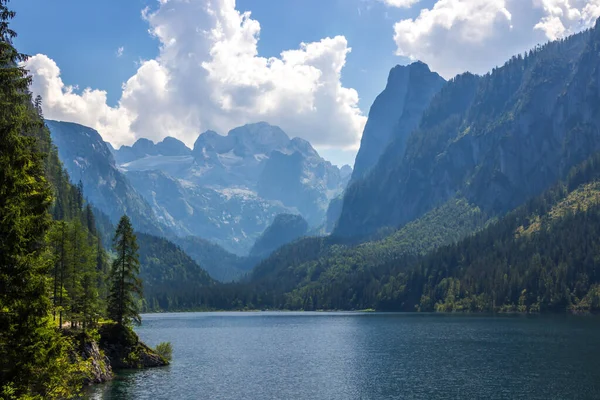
pixel 117 348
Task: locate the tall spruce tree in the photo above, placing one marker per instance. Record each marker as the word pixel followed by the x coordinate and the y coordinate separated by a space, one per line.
pixel 32 353
pixel 125 284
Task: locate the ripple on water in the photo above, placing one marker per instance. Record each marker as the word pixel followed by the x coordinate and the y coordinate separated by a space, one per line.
pixel 366 356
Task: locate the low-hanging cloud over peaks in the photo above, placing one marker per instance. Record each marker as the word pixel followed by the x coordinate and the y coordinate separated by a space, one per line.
pixel 209 75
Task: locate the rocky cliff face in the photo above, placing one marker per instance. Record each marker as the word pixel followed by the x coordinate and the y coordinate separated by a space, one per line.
pixel 88 159
pixel 124 349
pixel 396 112
pixel 99 368
pixel 497 139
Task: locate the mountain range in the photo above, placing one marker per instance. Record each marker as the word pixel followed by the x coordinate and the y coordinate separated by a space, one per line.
pixel 227 189
pixel 488 202
pixel 495 140
pixel 88 160
pixel 446 172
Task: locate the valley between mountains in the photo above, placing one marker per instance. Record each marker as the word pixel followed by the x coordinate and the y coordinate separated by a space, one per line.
pixel 453 180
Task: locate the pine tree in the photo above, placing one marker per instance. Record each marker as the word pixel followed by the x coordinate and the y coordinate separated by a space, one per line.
pixel 37 104
pixel 31 350
pixel 78 197
pixel 125 285
pixel 74 271
pixel 90 222
pixel 57 238
pixel 83 294
pixel 102 271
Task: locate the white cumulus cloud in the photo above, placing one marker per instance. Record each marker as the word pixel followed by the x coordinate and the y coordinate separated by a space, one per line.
pixel 400 3
pixel 455 36
pixel 565 17
pixel 209 75
pixel 120 51
pixel 88 108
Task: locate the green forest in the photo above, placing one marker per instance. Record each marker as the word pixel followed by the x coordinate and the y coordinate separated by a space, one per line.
pixel 59 287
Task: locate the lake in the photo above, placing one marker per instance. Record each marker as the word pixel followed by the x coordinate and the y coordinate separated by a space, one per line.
pixel 281 355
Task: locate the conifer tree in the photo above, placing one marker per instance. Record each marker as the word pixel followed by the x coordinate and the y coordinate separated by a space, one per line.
pixel 90 222
pixel 102 272
pixel 31 350
pixel 37 104
pixel 125 285
pixel 57 238
pixel 83 294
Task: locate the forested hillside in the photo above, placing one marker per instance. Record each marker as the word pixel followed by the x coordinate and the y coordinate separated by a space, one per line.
pixel 168 273
pixel 323 271
pixel 540 257
pixel 496 140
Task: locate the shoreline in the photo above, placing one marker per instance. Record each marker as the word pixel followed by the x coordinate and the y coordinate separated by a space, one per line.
pixel 367 311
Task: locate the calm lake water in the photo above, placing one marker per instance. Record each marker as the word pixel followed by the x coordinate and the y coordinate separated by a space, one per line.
pixel 366 356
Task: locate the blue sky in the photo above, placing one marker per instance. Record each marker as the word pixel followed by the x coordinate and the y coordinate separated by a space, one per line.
pixel 85 36
pixel 181 79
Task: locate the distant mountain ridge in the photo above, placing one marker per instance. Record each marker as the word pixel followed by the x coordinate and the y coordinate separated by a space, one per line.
pixel 87 158
pixel 227 189
pixel 230 188
pixel 285 229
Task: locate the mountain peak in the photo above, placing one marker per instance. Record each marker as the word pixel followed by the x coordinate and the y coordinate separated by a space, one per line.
pixel 250 139
pixel 171 139
pixel 144 147
pixel 143 142
pixel 345 171
pixel 397 77
pixel 419 65
pixel 400 74
pixel 260 132
pixel 304 147
pixel 396 112
pixel 171 146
